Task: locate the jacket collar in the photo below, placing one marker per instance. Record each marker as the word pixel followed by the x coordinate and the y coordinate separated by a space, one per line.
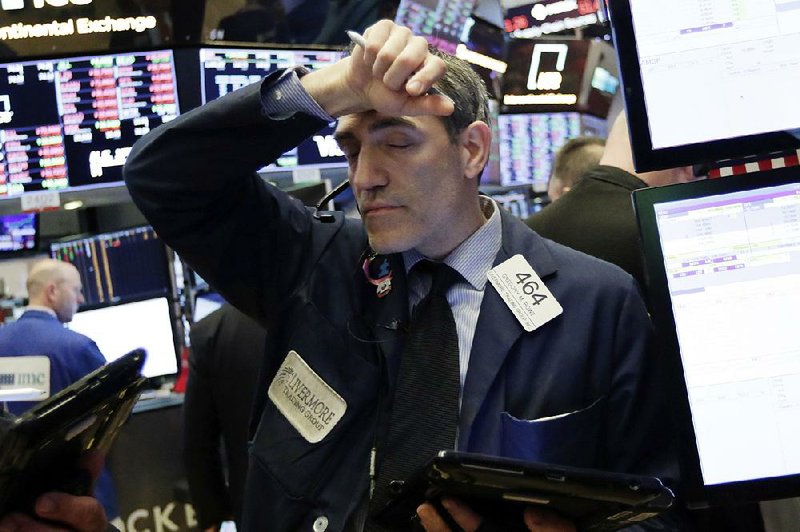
pixel 498 329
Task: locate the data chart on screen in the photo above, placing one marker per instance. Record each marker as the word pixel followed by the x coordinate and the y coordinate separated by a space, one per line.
pixel 715 69
pixel 733 269
pixel 224 70
pixel 88 113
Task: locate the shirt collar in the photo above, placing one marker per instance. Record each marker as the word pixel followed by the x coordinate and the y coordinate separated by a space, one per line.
pixel 41 309
pixel 475 255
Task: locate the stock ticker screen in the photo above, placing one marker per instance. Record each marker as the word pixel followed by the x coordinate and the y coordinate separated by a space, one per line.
pixel 71 122
pixel 117 266
pixel 223 70
pixel 529 142
pixel 441 22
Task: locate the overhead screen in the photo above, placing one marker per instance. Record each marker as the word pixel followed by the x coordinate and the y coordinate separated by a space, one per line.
pixel 71 122
pixel 223 70
pixel 723 261
pixel 709 81
pixel 548 75
pixel 441 22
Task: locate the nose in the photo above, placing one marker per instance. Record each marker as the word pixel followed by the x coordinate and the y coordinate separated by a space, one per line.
pixel 367 172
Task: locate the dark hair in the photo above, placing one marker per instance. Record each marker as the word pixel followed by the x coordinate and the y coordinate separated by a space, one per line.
pixel 467 90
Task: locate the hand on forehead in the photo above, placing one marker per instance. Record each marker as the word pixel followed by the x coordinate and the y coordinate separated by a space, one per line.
pixel 395 70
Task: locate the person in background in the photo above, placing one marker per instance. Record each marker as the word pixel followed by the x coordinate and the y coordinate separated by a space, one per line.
pixel 596 216
pixel 54 294
pixel 226 353
pixel 573 160
pixel 336 296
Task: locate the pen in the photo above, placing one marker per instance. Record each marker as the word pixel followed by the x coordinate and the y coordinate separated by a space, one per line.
pixel 359 40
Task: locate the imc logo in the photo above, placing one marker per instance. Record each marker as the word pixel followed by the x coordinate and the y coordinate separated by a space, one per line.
pixel 13 5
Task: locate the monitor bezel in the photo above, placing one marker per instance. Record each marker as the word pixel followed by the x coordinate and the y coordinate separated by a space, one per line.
pixel 694 491
pixel 712 153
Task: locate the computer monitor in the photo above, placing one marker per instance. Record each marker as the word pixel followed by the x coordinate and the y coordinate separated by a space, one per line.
pixel 723 269
pixel 223 70
pixel 120 328
pixel 441 22
pixel 18 233
pixel 70 122
pixel 708 82
pixel 117 266
pixel 529 142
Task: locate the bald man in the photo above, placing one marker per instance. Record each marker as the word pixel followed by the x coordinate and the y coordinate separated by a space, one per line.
pixel 54 294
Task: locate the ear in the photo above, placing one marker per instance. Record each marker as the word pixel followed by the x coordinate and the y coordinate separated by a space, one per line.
pixel 50 292
pixel 476 142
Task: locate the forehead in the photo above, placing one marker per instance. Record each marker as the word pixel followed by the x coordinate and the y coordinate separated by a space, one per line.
pixel 359 124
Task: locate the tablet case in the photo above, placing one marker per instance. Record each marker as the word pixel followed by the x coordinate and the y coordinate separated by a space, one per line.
pixel 500 489
pixel 40 450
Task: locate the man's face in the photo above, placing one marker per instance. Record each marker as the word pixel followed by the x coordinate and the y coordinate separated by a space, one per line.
pixel 408 180
pixel 68 296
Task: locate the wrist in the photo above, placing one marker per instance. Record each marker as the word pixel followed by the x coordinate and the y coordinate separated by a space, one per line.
pixel 329 89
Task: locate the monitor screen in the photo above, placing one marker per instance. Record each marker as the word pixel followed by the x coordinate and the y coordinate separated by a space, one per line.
pixel 117 266
pixel 121 328
pixel 71 122
pixel 223 70
pixel 441 22
pixel 723 260
pixel 708 82
pixel 19 232
pixel 529 142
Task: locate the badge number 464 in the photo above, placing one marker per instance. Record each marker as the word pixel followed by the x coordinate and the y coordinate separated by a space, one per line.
pixel 524 293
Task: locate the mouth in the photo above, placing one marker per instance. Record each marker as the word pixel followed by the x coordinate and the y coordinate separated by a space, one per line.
pixel 376 210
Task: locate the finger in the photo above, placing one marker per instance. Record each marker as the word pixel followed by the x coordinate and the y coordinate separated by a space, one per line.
pixel 430 519
pixel 438 105
pixel 376 35
pixel 81 513
pixel 23 523
pixel 410 59
pixel 394 45
pixel 432 70
pixel 462 514
pixel 540 520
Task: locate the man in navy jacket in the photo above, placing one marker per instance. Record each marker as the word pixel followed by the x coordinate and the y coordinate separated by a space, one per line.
pixel 576 387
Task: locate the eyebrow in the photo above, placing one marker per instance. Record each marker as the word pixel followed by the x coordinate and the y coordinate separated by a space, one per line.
pixel 378 125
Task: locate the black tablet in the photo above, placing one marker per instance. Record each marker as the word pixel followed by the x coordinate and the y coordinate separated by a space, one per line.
pixel 40 450
pixel 500 489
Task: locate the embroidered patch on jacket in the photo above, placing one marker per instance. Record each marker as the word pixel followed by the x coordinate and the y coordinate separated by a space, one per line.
pixel 308 403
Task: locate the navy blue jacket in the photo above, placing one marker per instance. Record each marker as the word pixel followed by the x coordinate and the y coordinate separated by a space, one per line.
pixel 72 355
pixel 299 273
